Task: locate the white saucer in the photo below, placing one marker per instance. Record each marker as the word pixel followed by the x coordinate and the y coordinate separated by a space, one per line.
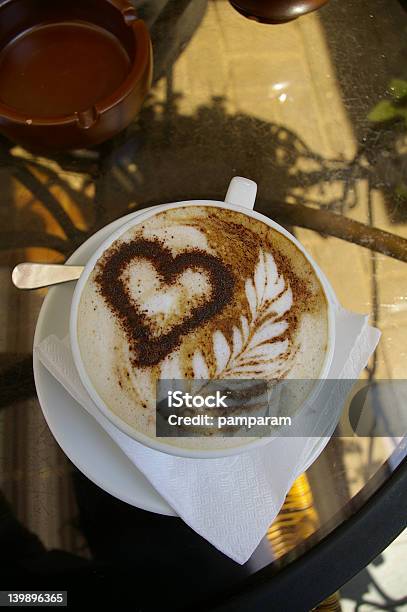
pixel 84 442
pixel 89 448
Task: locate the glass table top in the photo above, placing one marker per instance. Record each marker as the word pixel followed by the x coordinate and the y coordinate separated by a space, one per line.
pixel 314 111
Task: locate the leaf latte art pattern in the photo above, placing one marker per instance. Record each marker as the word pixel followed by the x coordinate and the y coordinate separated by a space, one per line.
pixel 260 346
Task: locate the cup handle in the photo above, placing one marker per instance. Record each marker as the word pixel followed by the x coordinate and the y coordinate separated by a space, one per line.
pixel 241 192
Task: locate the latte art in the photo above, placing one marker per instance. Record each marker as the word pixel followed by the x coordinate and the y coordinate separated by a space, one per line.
pixel 198 292
pixel 143 322
pixel 261 345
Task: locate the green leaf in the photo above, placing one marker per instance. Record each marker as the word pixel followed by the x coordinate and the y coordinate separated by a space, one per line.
pixel 401 191
pixel 398 88
pixel 384 111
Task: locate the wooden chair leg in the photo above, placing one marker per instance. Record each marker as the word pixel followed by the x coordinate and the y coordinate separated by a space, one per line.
pixel 330 604
pixel 297 520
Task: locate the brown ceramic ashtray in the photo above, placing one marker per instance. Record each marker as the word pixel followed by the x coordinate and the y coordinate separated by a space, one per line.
pixel 276 11
pixel 73 73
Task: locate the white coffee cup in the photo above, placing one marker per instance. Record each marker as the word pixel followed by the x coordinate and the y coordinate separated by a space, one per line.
pixel 240 197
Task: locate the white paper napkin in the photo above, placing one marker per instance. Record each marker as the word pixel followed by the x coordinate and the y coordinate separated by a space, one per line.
pixel 229 501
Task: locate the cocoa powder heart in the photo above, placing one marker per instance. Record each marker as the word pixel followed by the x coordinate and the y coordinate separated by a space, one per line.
pixel 146 349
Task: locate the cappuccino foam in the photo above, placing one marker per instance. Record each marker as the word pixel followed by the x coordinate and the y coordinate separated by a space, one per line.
pixel 198 292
